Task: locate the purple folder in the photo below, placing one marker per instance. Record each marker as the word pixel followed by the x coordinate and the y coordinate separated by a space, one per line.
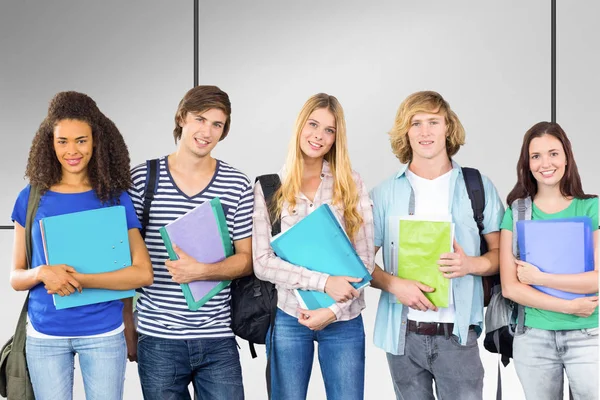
pixel 203 234
pixel 558 246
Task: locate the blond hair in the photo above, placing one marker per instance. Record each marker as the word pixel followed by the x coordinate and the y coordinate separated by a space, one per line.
pixel 424 102
pixel 345 192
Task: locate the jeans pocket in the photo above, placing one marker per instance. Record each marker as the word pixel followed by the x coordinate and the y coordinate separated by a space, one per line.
pixel 525 331
pixel 141 337
pixel 471 340
pixel 590 331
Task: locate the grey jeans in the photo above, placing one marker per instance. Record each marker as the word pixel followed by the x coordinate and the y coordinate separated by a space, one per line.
pixel 541 356
pixel 456 370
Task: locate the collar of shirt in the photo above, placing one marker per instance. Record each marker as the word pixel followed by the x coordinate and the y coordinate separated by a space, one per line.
pixel 325 172
pixel 404 168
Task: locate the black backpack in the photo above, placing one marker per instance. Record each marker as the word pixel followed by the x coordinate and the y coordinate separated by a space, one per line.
pixel 253 301
pixel 476 192
pixel 500 340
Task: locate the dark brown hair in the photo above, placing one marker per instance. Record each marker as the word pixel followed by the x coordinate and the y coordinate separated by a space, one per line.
pixel 570 184
pixel 200 99
pixel 108 169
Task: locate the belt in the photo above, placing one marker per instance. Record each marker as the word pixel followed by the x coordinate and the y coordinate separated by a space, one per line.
pixel 432 328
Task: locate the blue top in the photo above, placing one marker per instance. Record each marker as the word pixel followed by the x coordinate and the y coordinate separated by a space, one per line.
pixel 78 321
pixel 391 198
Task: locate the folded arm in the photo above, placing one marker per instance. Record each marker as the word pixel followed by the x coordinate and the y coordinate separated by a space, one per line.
pixel 528 296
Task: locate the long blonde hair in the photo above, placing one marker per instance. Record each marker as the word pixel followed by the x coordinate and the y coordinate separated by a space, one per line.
pixel 345 192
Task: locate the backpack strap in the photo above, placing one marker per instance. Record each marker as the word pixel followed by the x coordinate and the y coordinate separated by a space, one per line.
pixel 32 207
pixel 476 192
pixel 521 211
pixel 270 184
pixel 149 192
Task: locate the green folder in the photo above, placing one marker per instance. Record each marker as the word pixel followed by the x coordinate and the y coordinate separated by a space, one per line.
pixel 201 233
pixel 420 245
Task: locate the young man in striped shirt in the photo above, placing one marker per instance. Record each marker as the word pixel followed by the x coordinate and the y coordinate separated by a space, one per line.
pixel 177 346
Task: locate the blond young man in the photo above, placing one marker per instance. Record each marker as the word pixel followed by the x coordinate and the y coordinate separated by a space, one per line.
pixel 425 343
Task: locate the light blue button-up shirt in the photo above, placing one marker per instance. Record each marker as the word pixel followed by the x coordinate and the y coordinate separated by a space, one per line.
pixel 391 198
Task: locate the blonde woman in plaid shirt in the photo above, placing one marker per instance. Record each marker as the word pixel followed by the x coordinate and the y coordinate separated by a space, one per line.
pixel 317 171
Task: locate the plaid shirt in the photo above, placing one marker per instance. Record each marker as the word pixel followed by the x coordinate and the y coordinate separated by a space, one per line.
pixel 286 276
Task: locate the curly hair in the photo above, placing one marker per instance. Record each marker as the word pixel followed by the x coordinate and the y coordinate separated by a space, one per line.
pixel 424 102
pixel 108 169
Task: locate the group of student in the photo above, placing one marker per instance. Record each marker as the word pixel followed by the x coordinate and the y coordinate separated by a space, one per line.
pixel 79 161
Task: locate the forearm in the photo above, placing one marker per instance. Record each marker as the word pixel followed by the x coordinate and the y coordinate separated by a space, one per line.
pixel 235 266
pixel 527 296
pixel 583 283
pixel 128 313
pixel 24 279
pixel 127 278
pixel 487 264
pixel 381 279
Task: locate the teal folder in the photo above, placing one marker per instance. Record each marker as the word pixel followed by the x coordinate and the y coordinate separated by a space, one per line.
pixel 318 242
pixel 201 233
pixel 93 241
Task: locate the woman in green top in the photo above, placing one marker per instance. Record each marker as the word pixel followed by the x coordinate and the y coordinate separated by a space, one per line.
pixel 558 334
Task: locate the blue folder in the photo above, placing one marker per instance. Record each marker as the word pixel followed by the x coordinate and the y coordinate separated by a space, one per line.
pixel 557 246
pixel 319 243
pixel 92 241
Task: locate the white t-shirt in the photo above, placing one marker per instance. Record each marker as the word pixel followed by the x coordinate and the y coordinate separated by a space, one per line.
pixel 432 197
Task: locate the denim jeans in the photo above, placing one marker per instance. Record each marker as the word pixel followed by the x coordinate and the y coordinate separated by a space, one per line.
pixel 102 361
pixel 457 370
pixel 167 366
pixel 341 357
pixel 541 356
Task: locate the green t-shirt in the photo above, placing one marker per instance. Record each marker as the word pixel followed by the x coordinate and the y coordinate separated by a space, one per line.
pixel 549 320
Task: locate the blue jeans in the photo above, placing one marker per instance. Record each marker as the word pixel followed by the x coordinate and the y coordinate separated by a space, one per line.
pixel 456 369
pixel 541 356
pixel 341 357
pixel 167 366
pixel 102 360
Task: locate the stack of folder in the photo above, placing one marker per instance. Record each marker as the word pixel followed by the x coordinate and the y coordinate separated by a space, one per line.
pixel 92 242
pixel 557 246
pixel 318 242
pixel 201 233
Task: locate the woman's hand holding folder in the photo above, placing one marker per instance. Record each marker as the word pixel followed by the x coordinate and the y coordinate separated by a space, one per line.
pixel 340 289
pixel 57 279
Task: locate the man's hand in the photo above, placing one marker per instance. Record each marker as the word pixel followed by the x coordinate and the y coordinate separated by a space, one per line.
pixel 57 279
pixel 340 289
pixel 410 293
pixel 184 270
pixel 316 320
pixel 528 274
pixel 455 265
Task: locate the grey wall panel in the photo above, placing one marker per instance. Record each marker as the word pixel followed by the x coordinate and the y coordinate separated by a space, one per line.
pixel 134 58
pixel 578 84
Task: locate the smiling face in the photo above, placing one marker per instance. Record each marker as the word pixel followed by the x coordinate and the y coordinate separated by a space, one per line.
pixel 318 134
pixel 547 160
pixel 73 145
pixel 427 136
pixel 200 132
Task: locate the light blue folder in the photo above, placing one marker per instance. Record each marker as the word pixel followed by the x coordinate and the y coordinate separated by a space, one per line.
pixel 92 241
pixel 319 243
pixel 557 246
